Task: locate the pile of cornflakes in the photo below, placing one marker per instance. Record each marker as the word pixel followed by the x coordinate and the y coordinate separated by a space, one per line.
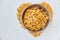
pixel 28 14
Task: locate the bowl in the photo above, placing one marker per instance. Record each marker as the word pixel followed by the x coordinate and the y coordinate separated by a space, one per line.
pixel 40 6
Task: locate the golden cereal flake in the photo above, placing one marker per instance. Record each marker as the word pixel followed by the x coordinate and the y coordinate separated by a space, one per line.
pixel 35 34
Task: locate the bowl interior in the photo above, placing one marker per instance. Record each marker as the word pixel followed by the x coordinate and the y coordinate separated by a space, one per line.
pixel 40 7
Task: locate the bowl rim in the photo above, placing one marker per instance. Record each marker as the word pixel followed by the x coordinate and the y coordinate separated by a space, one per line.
pixel 35 5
